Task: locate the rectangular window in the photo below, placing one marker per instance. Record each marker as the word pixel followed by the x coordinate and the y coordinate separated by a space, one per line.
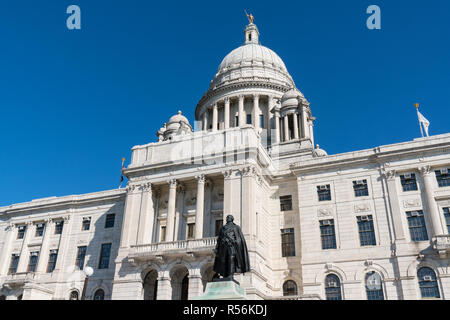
pixel 81 254
pixel 219 225
pixel 163 234
pixel 236 121
pixel 360 188
pixel 286 203
pixel 190 230
pixel 409 182
pixel 86 225
pixel 327 234
pixel 249 119
pixel 14 263
pixel 105 252
pixel 39 230
pixel 261 121
pixel 109 222
pixel 366 231
pixel 52 260
pixel 324 192
pixel 447 218
pixel 21 232
pixel 416 223
pixel 32 263
pixel 59 227
pixel 443 178
pixel 287 242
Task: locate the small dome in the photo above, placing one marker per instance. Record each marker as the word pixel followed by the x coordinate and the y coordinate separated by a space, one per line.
pixel 319 152
pixel 177 125
pixel 290 98
pixel 178 117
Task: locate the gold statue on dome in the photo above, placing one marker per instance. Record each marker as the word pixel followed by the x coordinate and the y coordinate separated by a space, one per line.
pixel 250 17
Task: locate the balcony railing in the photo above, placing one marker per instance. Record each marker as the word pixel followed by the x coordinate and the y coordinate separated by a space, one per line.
pixel 442 244
pixel 173 248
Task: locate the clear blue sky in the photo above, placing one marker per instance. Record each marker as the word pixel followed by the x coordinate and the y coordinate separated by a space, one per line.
pixel 73 103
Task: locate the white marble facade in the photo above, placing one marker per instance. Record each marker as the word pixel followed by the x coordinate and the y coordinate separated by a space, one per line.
pixel 253 156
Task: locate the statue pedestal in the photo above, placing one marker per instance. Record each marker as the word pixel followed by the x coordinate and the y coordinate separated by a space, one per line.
pixel 222 290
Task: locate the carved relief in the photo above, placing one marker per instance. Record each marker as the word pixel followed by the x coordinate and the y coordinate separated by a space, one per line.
pixel 324 212
pixel 362 207
pixel 411 203
pixel 425 170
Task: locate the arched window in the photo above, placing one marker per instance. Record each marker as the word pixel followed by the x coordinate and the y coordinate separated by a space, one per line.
pixel 374 288
pixel 333 287
pixel 74 295
pixel 428 283
pixel 99 295
pixel 290 288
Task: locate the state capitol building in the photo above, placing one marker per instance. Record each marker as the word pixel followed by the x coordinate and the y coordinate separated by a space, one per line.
pixel 370 224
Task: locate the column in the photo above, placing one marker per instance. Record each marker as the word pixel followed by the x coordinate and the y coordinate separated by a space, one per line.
pixel 170 224
pixel 286 128
pixel 241 111
pixel 205 120
pixel 63 246
pixel 269 115
pixel 304 117
pixel 155 225
pixel 199 206
pixel 277 127
pixel 226 116
pixel 215 117
pixel 432 211
pixel 227 193
pixel 248 222
pixel 24 254
pixel 394 204
pixel 5 258
pixel 44 252
pixel 180 232
pixel 195 284
pixel 164 291
pixel 256 112
pixel 295 120
pixel 146 216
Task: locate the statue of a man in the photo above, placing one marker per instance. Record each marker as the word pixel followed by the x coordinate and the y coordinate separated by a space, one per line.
pixel 231 251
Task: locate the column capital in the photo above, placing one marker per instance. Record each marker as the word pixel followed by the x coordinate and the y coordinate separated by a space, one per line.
pixel 147 187
pixel 181 187
pixel 389 174
pixel 249 171
pixel 226 99
pixel 227 174
pixel 425 170
pixel 172 183
pixel 200 178
pixel 241 96
pixel 256 96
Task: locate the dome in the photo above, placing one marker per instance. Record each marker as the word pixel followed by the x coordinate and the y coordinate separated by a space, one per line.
pixel 178 118
pixel 290 98
pixel 177 125
pixel 319 152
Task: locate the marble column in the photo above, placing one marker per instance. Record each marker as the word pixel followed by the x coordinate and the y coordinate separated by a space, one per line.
pixel 180 232
pixel 249 204
pixel 394 204
pixel 295 120
pixel 269 115
pixel 44 252
pixel 205 120
pixel 195 284
pixel 146 216
pixel 131 212
pixel 304 118
pixel 5 256
pixel 170 224
pixel 164 291
pixel 215 117
pixel 226 116
pixel 431 209
pixel 277 127
pixel 199 206
pixel 24 253
pixel 256 112
pixel 241 111
pixel 63 247
pixel 286 128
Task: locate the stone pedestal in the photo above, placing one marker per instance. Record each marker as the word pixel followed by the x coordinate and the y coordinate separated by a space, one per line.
pixel 224 290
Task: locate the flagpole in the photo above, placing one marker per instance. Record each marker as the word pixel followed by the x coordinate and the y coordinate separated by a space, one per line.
pixel 420 124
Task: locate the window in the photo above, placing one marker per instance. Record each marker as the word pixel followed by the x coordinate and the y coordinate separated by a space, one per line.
pixel 286 203
pixel 21 232
pixel 324 192
pixel 81 254
pixel 39 230
pixel 327 234
pixel 290 288
pixel 99 295
pixel 447 218
pixel 261 121
pixel 409 182
pixel 109 222
pixel 105 252
pixel 249 119
pixel 32 263
pixel 52 260
pixel 443 178
pixel 190 230
pixel 236 121
pixel 374 288
pixel 13 265
pixel 74 295
pixel 287 242
pixel 59 227
pixel 163 233
pixel 360 188
pixel 366 231
pixel 86 225
pixel 219 225
pixel 416 223
pixel 428 283
pixel 333 287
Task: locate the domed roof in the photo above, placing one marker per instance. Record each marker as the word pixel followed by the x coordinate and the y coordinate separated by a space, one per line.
pixel 178 118
pixel 319 152
pixel 289 99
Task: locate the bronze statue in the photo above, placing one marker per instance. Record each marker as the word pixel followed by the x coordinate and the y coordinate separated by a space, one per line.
pixel 231 251
pixel 250 17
